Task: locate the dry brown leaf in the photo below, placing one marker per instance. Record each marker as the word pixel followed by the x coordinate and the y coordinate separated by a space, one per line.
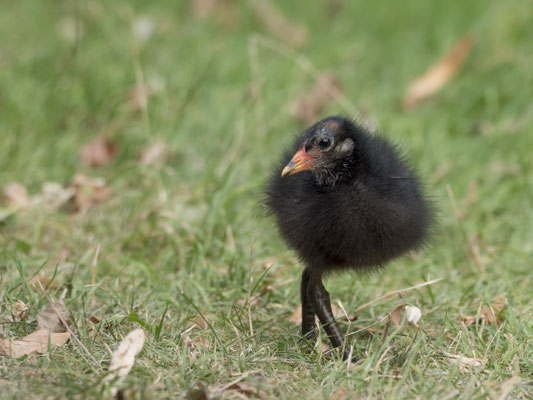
pixel 489 314
pixel 465 363
pixel 50 320
pixel 469 319
pixel 89 191
pixel 195 341
pixel 296 315
pixel 499 303
pixel 247 390
pixel 124 357
pixel 139 96
pixel 101 151
pixel 335 6
pixel 204 8
pixel 338 393
pixel 200 321
pixel 396 314
pixel 278 25
pixel 412 315
pixel 197 392
pixel 16 195
pixel 155 154
pixel 310 105
pixel 253 303
pixel 42 280
pixel 254 299
pixel 82 193
pixel 438 75
pixel 20 310
pixel 225 11
pixel 35 342
pixel 53 196
pixel 62 255
pixel 502 169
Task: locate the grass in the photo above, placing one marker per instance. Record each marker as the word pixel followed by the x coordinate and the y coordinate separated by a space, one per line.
pixel 175 240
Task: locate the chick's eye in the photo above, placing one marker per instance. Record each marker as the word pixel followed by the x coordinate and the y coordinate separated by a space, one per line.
pixel 324 143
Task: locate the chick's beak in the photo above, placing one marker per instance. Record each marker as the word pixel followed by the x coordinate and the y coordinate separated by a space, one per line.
pixel 301 161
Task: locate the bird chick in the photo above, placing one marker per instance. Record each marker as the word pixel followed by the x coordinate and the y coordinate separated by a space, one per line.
pixel 344 199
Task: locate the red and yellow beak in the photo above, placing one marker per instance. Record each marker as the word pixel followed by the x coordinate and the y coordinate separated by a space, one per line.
pixel 301 161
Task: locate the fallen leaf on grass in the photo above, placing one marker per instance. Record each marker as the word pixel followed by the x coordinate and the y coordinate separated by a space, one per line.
pixel 123 358
pixel 247 390
pixel 197 392
pixel 155 154
pixel 19 311
pixel 35 342
pixel 204 8
pixel 254 300
pixel 412 315
pixel 253 303
pixel 489 314
pixel 296 315
pixel 277 24
pixel 139 96
pixel 101 151
pixel 438 75
pixel 308 106
pixel 53 196
pixel 225 11
pixel 50 320
pixel 502 169
pixel 89 191
pixel 140 93
pixel 198 338
pixel 42 281
pixel 396 315
pixel 50 330
pixel 16 195
pixel 338 394
pixel 79 195
pixel 465 363
pixel 200 322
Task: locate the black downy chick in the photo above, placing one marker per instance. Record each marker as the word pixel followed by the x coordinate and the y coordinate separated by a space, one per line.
pixel 344 199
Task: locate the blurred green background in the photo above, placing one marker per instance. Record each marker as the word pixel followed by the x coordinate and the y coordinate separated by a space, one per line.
pixel 221 80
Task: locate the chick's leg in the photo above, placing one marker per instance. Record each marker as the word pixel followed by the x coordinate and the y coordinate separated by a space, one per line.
pixel 322 305
pixel 308 312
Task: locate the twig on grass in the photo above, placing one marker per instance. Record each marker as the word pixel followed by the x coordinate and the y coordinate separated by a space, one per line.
pixel 93 269
pixel 250 280
pixel 395 292
pixel 307 66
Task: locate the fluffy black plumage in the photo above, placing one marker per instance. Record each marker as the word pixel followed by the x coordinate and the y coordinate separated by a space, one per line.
pixel 346 200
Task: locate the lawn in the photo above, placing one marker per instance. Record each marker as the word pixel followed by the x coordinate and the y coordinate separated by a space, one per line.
pixel 178 243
